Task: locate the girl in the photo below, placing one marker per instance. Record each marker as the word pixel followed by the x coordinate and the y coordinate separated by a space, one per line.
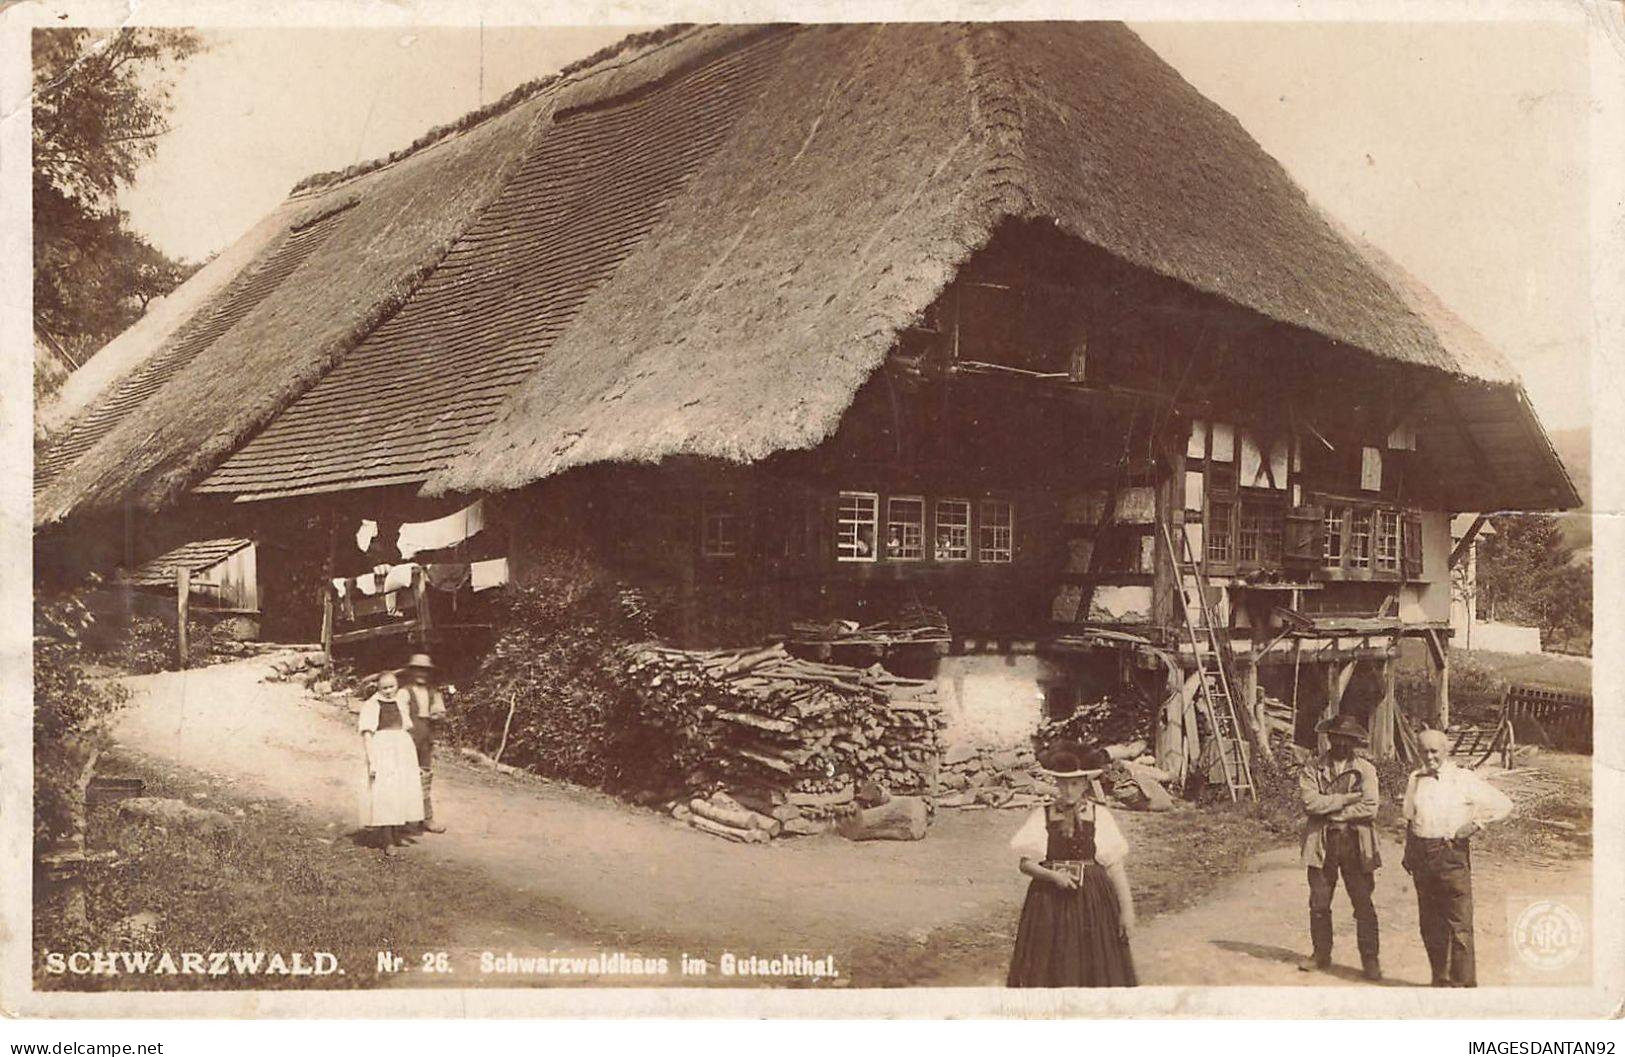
pixel 1075 923
pixel 392 795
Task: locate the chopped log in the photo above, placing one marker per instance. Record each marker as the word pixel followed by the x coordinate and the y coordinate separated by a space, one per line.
pixel 900 818
pixel 742 836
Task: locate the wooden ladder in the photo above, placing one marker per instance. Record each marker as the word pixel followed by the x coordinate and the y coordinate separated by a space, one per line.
pixel 1212 661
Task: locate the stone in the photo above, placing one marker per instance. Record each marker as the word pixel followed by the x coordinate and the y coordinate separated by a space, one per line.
pixel 1020 779
pixel 900 818
pixel 957 755
pixel 169 812
pixel 956 800
pixel 805 827
pixel 314 660
pixel 951 780
pixel 1003 760
pixel 322 687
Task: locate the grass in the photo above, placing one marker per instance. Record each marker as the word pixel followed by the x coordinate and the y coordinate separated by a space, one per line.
pixel 277 882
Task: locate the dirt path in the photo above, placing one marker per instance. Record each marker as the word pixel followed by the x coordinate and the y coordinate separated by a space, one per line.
pixel 939 911
pixel 616 873
pixel 1254 931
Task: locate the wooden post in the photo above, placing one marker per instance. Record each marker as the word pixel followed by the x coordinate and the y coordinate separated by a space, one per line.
pixel 1441 692
pixel 327 622
pixel 1386 714
pixel 1337 681
pixel 183 588
pixel 420 601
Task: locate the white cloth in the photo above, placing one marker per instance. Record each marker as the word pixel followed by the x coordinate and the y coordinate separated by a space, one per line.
pixel 441 532
pixel 393 794
pixel 1032 839
pixel 491 573
pixel 1438 806
pixel 365 535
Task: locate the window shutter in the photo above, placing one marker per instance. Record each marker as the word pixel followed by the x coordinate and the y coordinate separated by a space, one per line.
pixel 1304 540
pixel 1412 543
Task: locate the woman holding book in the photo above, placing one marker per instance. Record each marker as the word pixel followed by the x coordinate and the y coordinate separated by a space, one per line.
pixel 1075 924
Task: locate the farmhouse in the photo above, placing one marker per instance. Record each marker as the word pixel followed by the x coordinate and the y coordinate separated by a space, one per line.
pixel 994 352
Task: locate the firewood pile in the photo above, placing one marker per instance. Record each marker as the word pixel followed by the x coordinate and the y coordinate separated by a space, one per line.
pixel 977 778
pixel 783 742
pixel 851 633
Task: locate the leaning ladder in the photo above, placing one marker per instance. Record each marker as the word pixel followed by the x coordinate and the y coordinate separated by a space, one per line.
pixel 1215 680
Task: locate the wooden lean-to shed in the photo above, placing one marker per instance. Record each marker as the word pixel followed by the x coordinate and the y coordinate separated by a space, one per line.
pixel 221 571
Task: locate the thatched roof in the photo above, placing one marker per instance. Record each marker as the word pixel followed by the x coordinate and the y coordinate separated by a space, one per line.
pixel 609 294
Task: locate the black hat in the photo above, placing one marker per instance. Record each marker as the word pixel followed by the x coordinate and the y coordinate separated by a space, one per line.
pixel 1343 724
pixel 1068 759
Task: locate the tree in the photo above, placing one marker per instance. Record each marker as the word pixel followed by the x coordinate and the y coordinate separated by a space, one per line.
pixel 101 103
pixel 1525 577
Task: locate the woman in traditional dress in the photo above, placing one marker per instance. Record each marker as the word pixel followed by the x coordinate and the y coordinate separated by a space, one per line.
pixel 393 795
pixel 1075 924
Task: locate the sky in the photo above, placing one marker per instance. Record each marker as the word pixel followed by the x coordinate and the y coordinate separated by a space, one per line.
pixel 1459 148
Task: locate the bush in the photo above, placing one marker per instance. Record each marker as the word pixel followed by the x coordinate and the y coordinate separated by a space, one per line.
pixel 70 712
pixel 147 645
pixel 558 663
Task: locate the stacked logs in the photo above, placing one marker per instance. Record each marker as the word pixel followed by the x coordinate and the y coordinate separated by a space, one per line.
pixel 787 739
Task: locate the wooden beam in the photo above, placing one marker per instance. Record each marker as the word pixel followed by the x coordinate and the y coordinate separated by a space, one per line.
pixel 1386 714
pixel 1460 550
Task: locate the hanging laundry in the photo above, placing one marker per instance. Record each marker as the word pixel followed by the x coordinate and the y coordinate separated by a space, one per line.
pixel 400 576
pixel 365 535
pixel 492 573
pixel 441 532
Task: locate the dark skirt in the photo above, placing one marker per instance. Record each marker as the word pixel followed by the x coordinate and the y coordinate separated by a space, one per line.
pixel 1072 938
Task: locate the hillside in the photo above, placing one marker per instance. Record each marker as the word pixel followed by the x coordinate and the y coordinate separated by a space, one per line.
pixel 1574 448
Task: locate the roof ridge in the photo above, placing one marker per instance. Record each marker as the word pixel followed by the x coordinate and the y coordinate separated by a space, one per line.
pixel 998 115
pixel 523 93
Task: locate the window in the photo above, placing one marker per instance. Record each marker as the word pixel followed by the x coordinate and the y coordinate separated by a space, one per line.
pixel 1388 540
pixel 1360 540
pixel 855 525
pixel 1332 549
pixel 719 532
pixel 996 534
pixel 1218 533
pixel 953 530
pixel 905 528
pixel 1259 539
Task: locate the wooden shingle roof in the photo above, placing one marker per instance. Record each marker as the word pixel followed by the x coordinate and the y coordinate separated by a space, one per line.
pixel 194 557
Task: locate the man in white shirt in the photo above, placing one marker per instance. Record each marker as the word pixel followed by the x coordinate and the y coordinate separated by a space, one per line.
pixel 1445 806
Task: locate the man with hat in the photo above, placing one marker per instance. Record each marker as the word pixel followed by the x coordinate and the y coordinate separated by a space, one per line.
pixel 427 706
pixel 1339 792
pixel 1445 806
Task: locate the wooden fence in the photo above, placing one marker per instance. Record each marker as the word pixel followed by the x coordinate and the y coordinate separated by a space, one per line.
pixel 1565 716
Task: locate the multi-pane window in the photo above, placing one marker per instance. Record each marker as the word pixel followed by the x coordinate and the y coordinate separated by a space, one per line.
pixel 953 530
pixel 905 528
pixel 1220 544
pixel 996 533
pixel 1332 541
pixel 1258 539
pixel 855 527
pixel 1388 540
pixel 1360 539
pixel 719 535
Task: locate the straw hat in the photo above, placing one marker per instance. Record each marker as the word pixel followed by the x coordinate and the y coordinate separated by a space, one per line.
pixel 1068 759
pixel 419 660
pixel 1343 725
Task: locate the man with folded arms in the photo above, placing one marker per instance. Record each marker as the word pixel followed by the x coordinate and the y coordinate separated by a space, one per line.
pixel 1445 806
pixel 1339 793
